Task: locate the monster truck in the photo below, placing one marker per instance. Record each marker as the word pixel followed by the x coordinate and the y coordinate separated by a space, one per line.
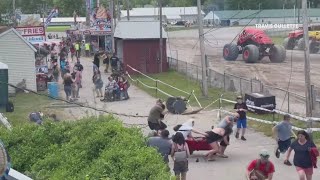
pixel 254 44
pixel 295 38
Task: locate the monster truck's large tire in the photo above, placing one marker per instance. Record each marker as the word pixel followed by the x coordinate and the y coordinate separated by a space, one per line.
pixel 277 54
pixel 314 47
pixel 301 44
pixel 289 43
pixel 250 53
pixel 230 52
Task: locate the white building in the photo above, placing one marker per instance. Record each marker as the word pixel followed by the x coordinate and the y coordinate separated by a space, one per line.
pixel 211 18
pixel 170 14
pixel 19 55
pixel 268 16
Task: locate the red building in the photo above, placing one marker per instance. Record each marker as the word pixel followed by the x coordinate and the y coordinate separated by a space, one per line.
pixel 137 45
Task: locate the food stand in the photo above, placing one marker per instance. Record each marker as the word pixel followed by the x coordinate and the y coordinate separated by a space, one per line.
pixel 100 31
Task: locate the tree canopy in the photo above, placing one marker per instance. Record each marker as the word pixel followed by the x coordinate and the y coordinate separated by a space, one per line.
pixel 68 6
pixel 86 149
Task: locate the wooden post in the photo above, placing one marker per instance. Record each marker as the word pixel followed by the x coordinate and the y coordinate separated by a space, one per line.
pixel 202 50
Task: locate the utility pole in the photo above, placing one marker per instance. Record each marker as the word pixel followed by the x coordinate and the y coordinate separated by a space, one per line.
pixel 112 23
pixel 87 15
pixel 307 61
pixel 202 51
pixel 128 10
pixel 298 8
pixel 14 13
pixel 161 42
pixel 118 11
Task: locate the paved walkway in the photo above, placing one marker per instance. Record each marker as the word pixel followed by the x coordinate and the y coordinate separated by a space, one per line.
pixel 240 153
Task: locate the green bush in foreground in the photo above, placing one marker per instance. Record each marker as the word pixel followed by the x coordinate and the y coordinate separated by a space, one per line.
pixel 86 149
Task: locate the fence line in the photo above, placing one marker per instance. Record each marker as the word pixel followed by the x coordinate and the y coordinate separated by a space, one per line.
pixel 286 100
pixel 220 99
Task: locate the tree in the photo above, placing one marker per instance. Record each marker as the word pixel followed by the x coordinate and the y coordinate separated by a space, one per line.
pixel 67 7
pixel 89 148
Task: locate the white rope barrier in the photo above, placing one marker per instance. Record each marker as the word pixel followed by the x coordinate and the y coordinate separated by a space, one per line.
pixel 156 88
pixel 270 122
pixel 278 112
pixel 5 122
pixel 158 80
pixel 150 87
pixel 211 103
pixel 195 97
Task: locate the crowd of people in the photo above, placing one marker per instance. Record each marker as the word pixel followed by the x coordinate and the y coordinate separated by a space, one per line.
pixel 218 138
pixel 116 86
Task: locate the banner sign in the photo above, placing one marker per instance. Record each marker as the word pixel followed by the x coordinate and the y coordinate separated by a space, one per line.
pixel 34 34
pixel 53 13
pixel 100 19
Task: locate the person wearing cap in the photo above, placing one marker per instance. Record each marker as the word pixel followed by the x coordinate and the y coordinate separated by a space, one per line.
pixel 282 133
pixel 241 109
pixel 227 121
pixel 262 168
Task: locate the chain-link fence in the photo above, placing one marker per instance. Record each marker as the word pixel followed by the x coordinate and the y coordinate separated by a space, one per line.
pixel 285 100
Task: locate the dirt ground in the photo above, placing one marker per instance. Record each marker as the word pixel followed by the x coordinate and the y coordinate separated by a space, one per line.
pixel 184 45
pixel 240 153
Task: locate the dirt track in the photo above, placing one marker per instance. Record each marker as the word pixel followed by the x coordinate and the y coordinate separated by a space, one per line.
pixel 186 45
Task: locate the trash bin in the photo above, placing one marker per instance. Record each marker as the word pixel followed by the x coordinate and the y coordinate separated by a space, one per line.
pixel 53 89
pixel 4 85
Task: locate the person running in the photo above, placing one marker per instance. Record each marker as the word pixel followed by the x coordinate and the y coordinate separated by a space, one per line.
pixel 187 128
pixel 180 153
pixel 156 116
pixel 213 137
pixel 282 133
pixel 262 168
pixel 241 109
pixel 227 121
pixel 302 158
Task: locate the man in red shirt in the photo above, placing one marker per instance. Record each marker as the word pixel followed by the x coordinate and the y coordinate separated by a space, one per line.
pixel 261 169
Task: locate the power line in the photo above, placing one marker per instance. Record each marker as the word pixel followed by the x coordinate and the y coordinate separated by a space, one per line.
pixel 74 103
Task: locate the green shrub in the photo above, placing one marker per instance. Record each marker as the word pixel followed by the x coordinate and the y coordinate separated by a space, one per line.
pixel 86 149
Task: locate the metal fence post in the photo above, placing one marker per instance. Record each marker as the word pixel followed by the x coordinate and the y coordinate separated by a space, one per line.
pixel 177 65
pixel 197 74
pixel 156 88
pixel 240 87
pixel 224 80
pixel 251 85
pixel 288 102
pixel 187 69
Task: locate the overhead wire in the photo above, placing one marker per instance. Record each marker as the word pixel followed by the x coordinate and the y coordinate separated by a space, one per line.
pixel 74 103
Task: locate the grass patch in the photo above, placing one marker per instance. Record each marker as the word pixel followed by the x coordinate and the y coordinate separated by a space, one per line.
pixel 24 104
pixel 180 81
pixel 57 28
pixel 179 28
pixel 278 40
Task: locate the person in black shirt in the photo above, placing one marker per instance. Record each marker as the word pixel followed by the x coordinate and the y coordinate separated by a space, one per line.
pixel 114 62
pixel 241 109
pixel 96 60
pixel 106 61
pixel 78 65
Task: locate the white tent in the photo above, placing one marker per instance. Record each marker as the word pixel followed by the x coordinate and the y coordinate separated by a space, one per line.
pixel 208 19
